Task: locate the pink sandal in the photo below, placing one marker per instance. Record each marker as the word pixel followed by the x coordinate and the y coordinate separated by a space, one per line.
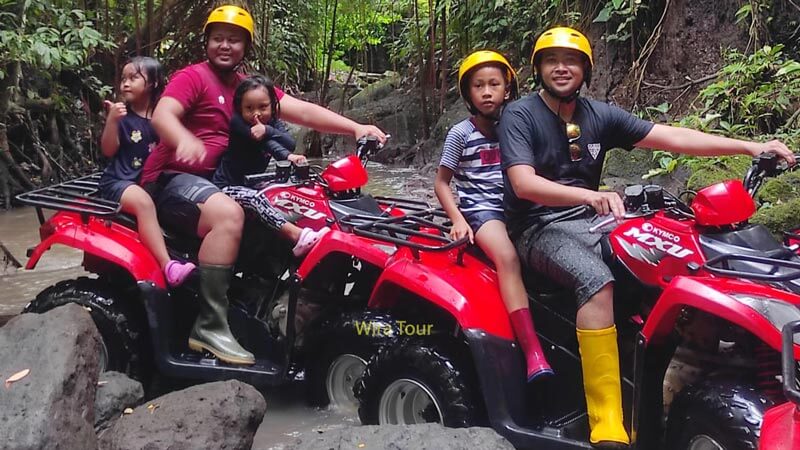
pixel 176 272
pixel 308 238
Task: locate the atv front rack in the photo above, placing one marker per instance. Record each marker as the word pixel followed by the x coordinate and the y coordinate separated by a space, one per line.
pixel 721 265
pixel 76 195
pixel 400 230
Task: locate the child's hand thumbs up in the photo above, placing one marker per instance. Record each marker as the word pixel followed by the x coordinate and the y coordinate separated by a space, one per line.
pixel 259 130
pixel 114 110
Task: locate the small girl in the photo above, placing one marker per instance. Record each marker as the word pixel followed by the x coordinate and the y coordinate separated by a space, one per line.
pixel 128 139
pixel 256 135
pixel 486 81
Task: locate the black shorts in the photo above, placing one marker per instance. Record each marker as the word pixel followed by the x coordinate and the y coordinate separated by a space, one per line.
pixel 177 196
pixel 476 219
pixel 112 189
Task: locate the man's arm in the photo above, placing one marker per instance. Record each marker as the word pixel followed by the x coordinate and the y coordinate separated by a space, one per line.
pixel 529 186
pixel 324 120
pixel 692 142
pixel 167 123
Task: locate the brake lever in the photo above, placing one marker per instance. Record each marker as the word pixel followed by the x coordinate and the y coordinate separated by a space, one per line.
pixel 593 229
pixel 627 216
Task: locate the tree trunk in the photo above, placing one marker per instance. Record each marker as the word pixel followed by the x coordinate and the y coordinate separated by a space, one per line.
pixel 148 49
pixel 137 27
pixel 8 160
pixel 421 77
pixel 107 20
pixel 344 89
pixel 432 47
pixel 315 149
pixel 444 69
pixel 265 34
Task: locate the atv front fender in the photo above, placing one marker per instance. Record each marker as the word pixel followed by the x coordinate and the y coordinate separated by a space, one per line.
pixel 714 296
pixel 103 239
pixel 468 291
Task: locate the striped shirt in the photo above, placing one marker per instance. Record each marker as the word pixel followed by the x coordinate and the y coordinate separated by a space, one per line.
pixel 475 162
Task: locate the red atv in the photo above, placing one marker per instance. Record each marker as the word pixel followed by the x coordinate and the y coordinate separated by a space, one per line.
pixel 299 321
pixel 700 300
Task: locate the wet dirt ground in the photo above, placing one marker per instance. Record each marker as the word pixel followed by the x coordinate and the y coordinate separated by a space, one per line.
pixel 288 416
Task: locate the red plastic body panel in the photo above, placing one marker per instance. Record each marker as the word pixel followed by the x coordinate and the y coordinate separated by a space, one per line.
pixel 107 240
pixel 349 244
pixel 780 429
pixel 309 201
pixel 657 249
pixel 345 174
pixel 712 295
pixel 468 292
pixel 723 203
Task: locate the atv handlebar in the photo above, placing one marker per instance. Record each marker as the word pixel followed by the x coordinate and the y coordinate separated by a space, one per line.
pixel 764 165
pixel 640 201
pixel 367 146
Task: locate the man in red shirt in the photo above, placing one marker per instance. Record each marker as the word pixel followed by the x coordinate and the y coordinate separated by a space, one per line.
pixel 192 119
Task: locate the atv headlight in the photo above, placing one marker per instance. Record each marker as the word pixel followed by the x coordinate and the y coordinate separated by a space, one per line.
pixel 777 312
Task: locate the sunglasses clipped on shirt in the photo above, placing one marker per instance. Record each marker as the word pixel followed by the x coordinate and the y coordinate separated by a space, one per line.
pixel 573 134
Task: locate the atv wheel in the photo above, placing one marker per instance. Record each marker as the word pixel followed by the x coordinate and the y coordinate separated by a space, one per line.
pixel 414 382
pixel 716 416
pixel 340 358
pixel 124 344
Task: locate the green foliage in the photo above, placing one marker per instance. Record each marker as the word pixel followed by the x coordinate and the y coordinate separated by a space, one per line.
pixel 51 39
pixel 755 97
pixel 755 92
pixel 620 14
pixel 46 40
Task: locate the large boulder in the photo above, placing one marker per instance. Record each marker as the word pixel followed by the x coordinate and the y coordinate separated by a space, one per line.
pixel 376 91
pixel 115 392
pixel 404 437
pixel 221 415
pixel 53 406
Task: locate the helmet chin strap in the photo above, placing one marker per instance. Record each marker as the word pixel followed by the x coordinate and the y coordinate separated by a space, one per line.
pixel 561 98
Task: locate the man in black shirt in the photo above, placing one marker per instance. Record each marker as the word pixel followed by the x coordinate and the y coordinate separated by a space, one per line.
pixel 552 145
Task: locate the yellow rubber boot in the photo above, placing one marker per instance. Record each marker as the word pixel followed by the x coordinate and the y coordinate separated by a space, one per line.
pixel 601 382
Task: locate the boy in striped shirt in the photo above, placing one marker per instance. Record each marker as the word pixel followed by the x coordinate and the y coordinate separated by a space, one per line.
pixel 471 154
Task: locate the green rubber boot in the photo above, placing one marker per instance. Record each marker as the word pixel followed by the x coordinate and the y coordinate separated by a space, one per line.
pixel 211 331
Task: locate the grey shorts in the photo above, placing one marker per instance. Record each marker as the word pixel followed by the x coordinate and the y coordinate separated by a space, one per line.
pixel 176 198
pixel 567 253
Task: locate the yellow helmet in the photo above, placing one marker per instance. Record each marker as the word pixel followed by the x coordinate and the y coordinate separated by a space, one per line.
pixel 563 37
pixel 233 15
pixel 479 58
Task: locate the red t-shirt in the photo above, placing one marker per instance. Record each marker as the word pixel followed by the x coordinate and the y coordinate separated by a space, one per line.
pixel 208 104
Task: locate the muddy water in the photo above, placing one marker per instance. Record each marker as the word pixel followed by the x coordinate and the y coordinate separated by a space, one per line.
pixel 288 417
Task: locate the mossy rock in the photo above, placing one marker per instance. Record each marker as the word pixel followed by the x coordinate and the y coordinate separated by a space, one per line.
pixel 781 189
pixel 779 217
pixel 718 169
pixel 629 165
pixel 376 91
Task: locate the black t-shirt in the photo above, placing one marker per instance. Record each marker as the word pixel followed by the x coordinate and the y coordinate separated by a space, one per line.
pixel 136 140
pixel 530 133
pixel 246 156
